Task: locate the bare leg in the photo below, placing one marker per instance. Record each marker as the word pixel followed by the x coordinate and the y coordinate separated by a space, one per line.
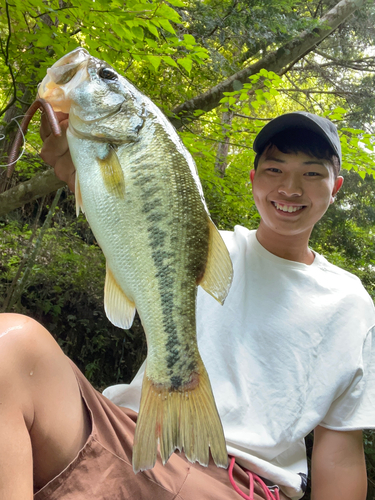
pixel 43 421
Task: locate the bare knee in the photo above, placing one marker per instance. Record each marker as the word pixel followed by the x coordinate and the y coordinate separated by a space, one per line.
pixel 22 342
pixel 25 347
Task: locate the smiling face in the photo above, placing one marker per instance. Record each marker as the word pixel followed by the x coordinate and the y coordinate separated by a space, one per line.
pixel 292 192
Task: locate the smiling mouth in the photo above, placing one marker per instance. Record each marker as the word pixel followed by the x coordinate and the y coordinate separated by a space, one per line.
pixel 287 208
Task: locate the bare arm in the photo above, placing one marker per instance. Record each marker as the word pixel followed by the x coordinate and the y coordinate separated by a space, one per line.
pixel 55 150
pixel 338 466
pixel 16 464
pixel 16 415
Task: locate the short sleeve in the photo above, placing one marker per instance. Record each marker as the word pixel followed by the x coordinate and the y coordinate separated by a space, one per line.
pixel 355 408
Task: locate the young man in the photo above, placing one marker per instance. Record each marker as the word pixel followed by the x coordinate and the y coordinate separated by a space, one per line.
pixel 289 352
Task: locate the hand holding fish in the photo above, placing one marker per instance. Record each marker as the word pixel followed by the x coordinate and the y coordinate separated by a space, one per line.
pixel 55 150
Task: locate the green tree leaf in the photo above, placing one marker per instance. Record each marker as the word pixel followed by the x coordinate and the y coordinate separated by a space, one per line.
pixel 170 61
pixel 186 63
pixel 164 23
pixel 155 61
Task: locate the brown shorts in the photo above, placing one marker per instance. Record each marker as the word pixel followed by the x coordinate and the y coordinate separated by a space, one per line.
pixel 103 469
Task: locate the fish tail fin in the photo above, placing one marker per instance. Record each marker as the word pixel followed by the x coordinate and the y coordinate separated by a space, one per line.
pixel 185 419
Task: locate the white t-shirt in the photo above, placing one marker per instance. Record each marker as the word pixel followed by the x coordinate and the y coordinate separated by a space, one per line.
pixel 290 349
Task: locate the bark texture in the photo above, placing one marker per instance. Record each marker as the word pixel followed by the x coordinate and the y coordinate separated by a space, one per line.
pixel 223 147
pixel 39 185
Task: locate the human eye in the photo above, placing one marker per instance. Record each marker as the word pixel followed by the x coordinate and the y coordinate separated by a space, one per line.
pixel 273 170
pixel 312 174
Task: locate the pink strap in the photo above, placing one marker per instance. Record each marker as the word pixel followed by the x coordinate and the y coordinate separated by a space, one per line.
pixel 253 479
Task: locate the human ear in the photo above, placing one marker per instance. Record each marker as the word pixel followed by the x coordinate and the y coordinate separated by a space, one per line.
pixel 252 173
pixel 338 183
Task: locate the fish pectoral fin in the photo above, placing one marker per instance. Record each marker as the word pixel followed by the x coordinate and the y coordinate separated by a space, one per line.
pixel 178 419
pixel 218 274
pixel 78 195
pixel 112 174
pixel 119 309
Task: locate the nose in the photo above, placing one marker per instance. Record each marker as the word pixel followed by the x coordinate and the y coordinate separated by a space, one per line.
pixel 290 186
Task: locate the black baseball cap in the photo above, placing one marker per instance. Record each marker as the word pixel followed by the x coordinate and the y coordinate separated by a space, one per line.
pixel 299 119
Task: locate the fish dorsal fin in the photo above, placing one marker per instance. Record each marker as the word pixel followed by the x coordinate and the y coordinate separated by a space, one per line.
pixel 112 173
pixel 218 274
pixel 78 195
pixel 119 309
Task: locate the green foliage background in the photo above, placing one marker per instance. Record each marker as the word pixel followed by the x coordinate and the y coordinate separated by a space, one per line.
pixel 174 51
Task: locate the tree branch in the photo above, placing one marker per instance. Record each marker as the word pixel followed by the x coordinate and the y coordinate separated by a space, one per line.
pixel 9 32
pixel 204 137
pixel 327 56
pixel 274 61
pixel 344 65
pixel 39 185
pixel 6 57
pixel 317 8
pixel 53 11
pixel 231 8
pixel 251 117
pixel 308 91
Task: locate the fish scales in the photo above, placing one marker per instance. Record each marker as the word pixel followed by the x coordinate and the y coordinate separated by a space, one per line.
pixel 141 194
pixel 177 239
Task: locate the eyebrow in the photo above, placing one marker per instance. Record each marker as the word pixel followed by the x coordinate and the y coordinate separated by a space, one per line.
pixel 314 162
pixel 309 162
pixel 273 158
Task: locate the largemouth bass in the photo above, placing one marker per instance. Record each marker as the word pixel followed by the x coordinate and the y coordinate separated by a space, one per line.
pixel 141 194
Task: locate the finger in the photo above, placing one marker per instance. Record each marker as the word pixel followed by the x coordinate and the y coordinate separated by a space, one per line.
pixel 65 170
pixel 54 147
pixel 45 126
pixel 61 116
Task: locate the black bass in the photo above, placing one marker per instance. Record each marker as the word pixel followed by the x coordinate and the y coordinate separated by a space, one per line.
pixel 140 191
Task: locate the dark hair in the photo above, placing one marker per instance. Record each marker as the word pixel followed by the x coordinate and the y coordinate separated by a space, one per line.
pixel 297 140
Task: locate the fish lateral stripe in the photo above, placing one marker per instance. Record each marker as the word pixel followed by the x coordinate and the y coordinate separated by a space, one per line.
pixel 160 238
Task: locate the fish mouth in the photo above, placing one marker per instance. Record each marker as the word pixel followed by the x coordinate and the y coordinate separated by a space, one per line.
pixel 77 126
pixel 66 74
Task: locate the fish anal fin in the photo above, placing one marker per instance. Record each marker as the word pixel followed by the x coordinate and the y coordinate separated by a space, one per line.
pixel 119 309
pixel 112 173
pixel 218 274
pixel 78 195
pixel 178 419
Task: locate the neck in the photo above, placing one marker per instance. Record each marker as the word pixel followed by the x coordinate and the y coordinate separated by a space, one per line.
pixel 295 247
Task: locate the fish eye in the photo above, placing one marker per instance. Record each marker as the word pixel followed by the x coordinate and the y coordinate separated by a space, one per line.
pixel 107 74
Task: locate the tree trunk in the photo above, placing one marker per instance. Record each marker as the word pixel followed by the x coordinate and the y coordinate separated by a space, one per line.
pixel 8 131
pixel 223 147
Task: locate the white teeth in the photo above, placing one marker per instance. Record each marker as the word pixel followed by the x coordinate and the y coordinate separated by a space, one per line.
pixel 287 208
